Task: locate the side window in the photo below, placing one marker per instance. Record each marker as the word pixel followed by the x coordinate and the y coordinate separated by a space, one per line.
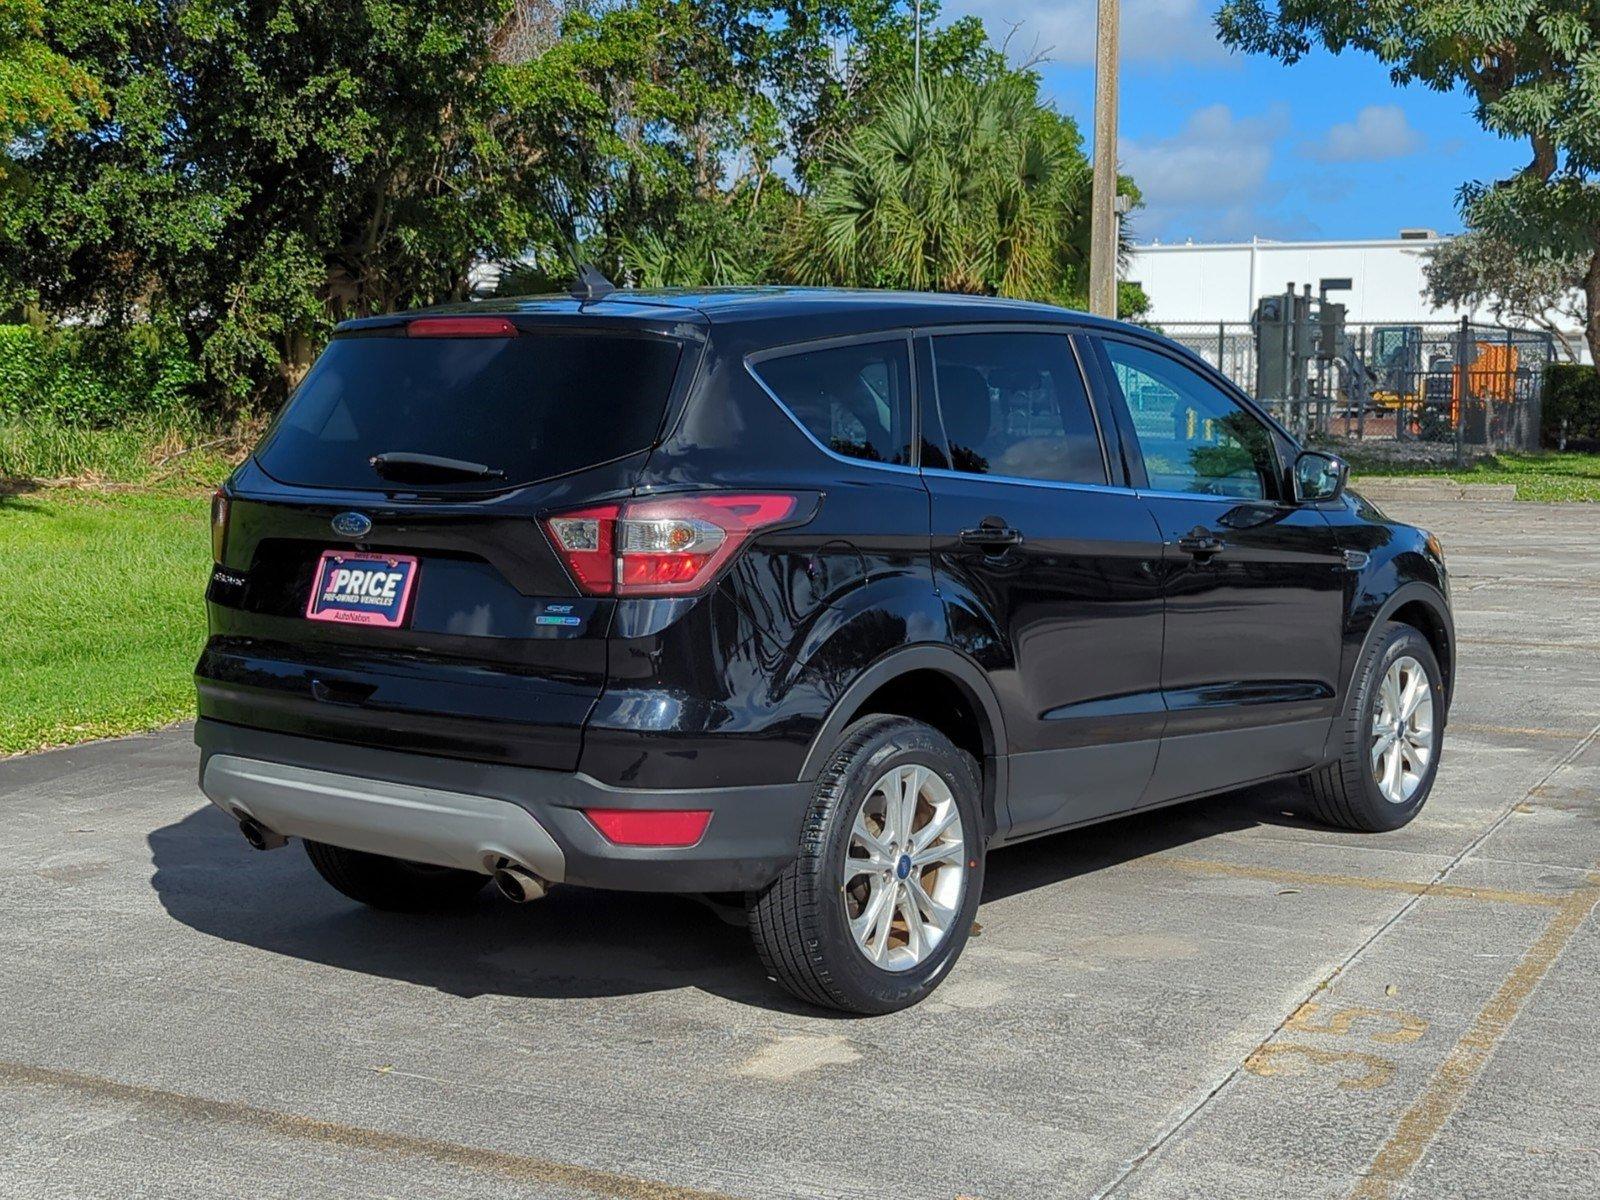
pixel 1193 436
pixel 1014 404
pixel 855 400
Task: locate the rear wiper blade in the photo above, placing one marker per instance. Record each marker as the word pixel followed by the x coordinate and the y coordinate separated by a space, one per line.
pixel 403 466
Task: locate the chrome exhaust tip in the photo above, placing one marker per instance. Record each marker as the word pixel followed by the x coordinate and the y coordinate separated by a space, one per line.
pixel 259 836
pixel 518 884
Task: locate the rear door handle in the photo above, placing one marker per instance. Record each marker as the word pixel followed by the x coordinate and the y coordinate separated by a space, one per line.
pixel 1201 545
pixel 991 536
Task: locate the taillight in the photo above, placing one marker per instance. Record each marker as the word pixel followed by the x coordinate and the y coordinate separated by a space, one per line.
pixel 584 539
pixel 219 524
pixel 461 327
pixel 647 827
pixel 665 547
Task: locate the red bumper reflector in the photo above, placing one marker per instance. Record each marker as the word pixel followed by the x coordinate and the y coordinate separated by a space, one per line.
pixel 650 827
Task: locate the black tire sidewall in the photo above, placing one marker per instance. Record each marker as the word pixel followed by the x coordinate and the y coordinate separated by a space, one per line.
pixel 1401 641
pixel 868 987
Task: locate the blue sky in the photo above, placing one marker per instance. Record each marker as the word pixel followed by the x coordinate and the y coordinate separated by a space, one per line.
pixel 1225 146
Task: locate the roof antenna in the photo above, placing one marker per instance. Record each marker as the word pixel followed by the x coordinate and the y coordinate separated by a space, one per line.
pixel 590 286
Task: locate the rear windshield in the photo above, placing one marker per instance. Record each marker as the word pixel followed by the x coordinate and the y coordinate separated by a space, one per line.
pixel 529 407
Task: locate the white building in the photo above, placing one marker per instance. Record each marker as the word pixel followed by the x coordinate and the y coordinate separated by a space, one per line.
pixel 1222 281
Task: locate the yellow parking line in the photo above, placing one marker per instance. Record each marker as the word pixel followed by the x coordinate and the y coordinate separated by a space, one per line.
pixel 1523 644
pixel 1448 1087
pixel 1509 730
pixel 519 1167
pixel 1400 887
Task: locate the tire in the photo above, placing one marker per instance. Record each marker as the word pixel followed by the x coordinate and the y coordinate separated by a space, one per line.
pixel 802 922
pixel 393 884
pixel 1347 792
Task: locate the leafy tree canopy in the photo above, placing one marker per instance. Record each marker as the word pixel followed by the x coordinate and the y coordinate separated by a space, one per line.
pixel 664 122
pixel 250 171
pixel 1481 271
pixel 43 93
pixel 262 169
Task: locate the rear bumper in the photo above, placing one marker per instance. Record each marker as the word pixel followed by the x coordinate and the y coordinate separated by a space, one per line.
pixel 468 814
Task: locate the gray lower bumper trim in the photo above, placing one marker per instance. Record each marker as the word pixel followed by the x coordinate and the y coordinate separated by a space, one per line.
pixel 420 824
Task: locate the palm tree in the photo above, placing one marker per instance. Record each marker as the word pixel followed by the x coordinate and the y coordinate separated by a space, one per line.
pixel 696 260
pixel 720 240
pixel 954 185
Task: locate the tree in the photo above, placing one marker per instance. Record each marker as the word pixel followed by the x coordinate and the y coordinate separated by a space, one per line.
pixel 1530 70
pixel 43 93
pixel 953 185
pixel 251 171
pixel 264 169
pixel 1481 271
pixel 661 122
pixel 260 169
pixel 843 60
pixel 723 241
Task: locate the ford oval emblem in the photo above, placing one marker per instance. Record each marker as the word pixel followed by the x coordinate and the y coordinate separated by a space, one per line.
pixel 352 524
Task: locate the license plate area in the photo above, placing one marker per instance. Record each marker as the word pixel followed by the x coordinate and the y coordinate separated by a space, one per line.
pixel 355 588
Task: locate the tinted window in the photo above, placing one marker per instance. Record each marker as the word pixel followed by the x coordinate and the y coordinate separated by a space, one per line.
pixel 1193 435
pixel 1014 404
pixel 855 400
pixel 532 406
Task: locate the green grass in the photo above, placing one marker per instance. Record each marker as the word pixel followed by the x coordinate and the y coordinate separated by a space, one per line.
pixel 1551 476
pixel 101 616
pixel 148 452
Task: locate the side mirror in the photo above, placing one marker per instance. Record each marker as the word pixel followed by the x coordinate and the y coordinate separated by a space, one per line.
pixel 1319 476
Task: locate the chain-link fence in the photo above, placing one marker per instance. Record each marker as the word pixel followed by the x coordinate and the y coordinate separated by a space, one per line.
pixel 1477 386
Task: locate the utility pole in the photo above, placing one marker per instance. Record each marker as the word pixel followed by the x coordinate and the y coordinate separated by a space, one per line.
pixel 1102 213
pixel 916 53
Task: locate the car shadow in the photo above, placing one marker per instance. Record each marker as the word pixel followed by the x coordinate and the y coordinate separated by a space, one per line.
pixel 579 942
pixel 1057 857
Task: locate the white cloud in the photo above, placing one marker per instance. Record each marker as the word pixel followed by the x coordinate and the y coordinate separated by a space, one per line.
pixel 1210 179
pixel 1379 131
pixel 1154 31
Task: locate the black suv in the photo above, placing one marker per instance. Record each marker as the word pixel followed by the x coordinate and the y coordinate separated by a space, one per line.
pixel 801 599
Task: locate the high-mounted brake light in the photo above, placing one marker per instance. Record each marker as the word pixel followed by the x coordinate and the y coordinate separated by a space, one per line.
pixel 461 327
pixel 219 524
pixel 666 547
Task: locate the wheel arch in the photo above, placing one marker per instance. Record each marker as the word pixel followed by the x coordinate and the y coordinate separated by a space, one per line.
pixel 1425 609
pixel 935 684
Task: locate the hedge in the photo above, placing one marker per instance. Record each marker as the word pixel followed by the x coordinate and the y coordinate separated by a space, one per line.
pixel 1571 394
pixel 94 378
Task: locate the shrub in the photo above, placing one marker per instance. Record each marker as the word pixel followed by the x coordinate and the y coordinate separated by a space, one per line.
pixel 113 405
pixel 1571 394
pixel 87 378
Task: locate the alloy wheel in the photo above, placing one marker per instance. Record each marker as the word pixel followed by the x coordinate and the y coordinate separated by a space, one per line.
pixel 905 868
pixel 1402 730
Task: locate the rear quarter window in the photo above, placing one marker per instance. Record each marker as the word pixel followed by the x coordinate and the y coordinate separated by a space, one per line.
pixel 855 399
pixel 533 406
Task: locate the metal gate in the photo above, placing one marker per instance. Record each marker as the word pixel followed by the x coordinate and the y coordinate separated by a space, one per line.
pixel 1477 386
